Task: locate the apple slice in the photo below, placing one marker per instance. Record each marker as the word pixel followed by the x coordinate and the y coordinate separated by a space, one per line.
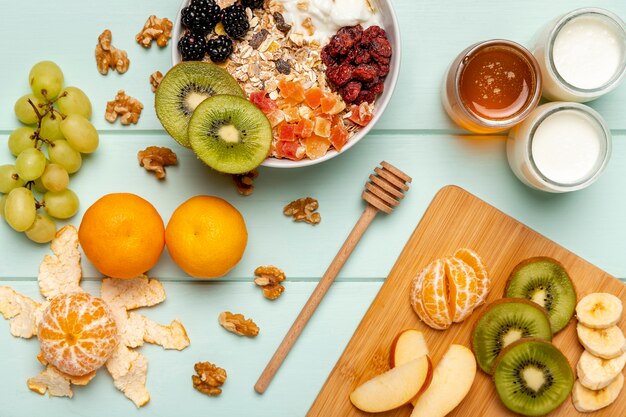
pixel 407 346
pixel 393 388
pixel 452 380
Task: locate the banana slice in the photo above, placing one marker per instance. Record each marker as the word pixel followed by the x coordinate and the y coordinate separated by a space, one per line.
pixel 599 310
pixel 596 373
pixel 604 343
pixel 586 400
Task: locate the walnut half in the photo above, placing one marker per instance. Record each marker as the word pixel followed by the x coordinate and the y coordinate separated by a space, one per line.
pixel 245 182
pixel 109 57
pixel 269 278
pixel 126 107
pixel 210 377
pixel 156 158
pixel 302 210
pixel 155 79
pixel 155 29
pixel 238 324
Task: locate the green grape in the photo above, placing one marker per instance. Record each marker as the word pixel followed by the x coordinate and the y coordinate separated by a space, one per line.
pixel 55 178
pixel 20 139
pixel 46 79
pixel 24 111
pixel 19 209
pixel 60 152
pixel 3 201
pixel 61 205
pixel 43 229
pixel 51 127
pixel 30 164
pixel 9 178
pixel 75 101
pixel 80 133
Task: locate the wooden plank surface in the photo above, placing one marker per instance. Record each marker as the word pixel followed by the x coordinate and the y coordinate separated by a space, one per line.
pixel 456 219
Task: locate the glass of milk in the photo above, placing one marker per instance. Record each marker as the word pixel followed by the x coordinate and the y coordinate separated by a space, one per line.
pixel 560 147
pixel 582 55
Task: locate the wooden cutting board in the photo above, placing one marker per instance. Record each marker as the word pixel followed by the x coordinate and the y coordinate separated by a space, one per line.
pixel 456 219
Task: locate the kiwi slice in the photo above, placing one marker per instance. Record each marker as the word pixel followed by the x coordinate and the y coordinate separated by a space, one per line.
pixel 184 87
pixel 504 322
pixel 230 134
pixel 546 282
pixel 532 377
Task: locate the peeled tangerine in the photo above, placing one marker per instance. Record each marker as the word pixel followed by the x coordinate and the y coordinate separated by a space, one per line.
pixel 449 289
pixel 77 333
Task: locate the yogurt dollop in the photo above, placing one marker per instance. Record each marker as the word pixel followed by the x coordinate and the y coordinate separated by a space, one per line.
pixel 328 16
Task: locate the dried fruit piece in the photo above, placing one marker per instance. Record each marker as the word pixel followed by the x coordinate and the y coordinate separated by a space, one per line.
pixel 276 117
pixel 317 146
pixel 238 324
pixel 283 66
pixel 155 29
pixel 339 136
pixel 269 278
pixel 109 57
pixel 303 210
pixel 291 90
pixel 156 158
pixel 361 114
pixel 290 150
pixel 258 38
pixel 322 128
pixel 210 377
pixel 280 23
pixel 263 102
pixel 244 182
pixel 313 97
pixel 292 115
pixel 124 106
pixel 286 132
pixel 305 128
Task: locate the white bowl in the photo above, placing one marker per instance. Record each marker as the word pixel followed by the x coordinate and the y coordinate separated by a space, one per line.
pixel 390 23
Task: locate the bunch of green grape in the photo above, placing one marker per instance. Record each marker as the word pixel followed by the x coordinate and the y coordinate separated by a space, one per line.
pixel 47 149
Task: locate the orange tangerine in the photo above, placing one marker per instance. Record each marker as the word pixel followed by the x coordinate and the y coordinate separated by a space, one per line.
pixel 462 283
pixel 122 235
pixel 77 333
pixel 206 237
pixel 430 296
pixel 472 259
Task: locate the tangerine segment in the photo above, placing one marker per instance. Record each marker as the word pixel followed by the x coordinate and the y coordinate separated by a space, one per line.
pixel 77 333
pixel 430 298
pixel 462 283
pixel 122 235
pixel 472 259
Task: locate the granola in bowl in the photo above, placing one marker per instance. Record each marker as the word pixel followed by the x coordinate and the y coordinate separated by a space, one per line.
pixel 320 92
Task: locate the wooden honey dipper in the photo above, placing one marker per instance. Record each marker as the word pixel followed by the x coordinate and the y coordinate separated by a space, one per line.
pixel 383 192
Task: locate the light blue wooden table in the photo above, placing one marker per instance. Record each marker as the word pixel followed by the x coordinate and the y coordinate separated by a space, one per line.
pixel 414 135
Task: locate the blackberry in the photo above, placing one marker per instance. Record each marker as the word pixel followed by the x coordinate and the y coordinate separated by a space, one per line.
pixel 220 48
pixel 201 16
pixel 235 21
pixel 253 4
pixel 192 47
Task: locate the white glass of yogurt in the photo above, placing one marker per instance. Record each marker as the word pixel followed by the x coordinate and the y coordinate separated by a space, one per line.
pixel 560 147
pixel 582 55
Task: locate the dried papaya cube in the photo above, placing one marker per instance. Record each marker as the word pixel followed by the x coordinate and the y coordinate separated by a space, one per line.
pixel 316 146
pixel 286 132
pixel 313 97
pixel 276 117
pixel 328 102
pixel 291 114
pixel 322 127
pixel 290 150
pixel 304 129
pixel 361 114
pixel 339 136
pixel 263 102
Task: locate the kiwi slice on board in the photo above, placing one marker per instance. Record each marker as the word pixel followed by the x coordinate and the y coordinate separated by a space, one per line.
pixel 532 377
pixel 230 134
pixel 184 87
pixel 504 322
pixel 546 282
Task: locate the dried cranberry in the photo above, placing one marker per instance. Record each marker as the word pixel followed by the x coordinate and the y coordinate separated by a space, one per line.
pixel 354 32
pixel 377 88
pixel 326 58
pixel 365 95
pixel 374 32
pixel 333 47
pixel 350 92
pixel 340 74
pixel 365 72
pixel 381 46
pixel 383 70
